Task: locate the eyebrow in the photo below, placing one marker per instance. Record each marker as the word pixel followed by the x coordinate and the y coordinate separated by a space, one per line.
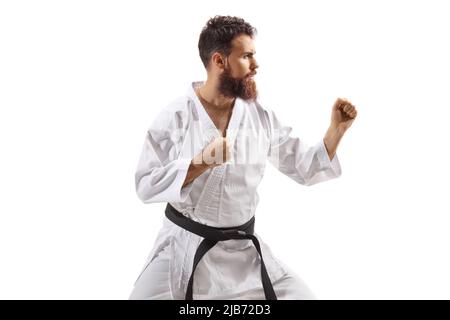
pixel 249 52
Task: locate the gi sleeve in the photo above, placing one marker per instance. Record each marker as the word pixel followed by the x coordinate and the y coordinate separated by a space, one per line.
pixel 304 164
pixel 161 170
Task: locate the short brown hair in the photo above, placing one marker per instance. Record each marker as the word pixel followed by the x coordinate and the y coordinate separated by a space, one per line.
pixel 218 33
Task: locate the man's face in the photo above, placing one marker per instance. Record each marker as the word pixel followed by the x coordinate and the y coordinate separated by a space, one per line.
pixel 237 80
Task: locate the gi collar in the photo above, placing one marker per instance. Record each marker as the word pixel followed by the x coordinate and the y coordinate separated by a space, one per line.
pixel 208 125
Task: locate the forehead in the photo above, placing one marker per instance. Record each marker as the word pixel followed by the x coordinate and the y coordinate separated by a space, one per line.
pixel 243 43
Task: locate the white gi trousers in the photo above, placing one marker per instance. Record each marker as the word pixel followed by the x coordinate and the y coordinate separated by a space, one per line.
pixel 153 284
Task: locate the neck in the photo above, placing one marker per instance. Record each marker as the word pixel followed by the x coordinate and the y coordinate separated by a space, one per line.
pixel 210 94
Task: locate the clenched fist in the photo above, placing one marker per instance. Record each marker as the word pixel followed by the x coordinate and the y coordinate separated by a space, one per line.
pixel 343 114
pixel 216 153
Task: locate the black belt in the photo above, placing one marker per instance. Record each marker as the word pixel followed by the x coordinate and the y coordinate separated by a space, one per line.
pixel 211 236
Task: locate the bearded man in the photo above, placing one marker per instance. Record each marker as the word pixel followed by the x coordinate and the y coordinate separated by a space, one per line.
pixel 204 155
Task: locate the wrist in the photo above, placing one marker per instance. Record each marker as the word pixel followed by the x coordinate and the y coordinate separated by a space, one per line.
pixel 335 130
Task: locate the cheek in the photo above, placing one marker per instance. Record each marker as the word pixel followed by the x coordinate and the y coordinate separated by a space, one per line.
pixel 242 68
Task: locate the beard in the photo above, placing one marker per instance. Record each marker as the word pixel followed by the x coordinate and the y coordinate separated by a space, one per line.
pixel 244 88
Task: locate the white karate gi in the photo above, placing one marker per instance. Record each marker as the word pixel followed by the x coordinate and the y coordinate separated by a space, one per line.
pixel 224 196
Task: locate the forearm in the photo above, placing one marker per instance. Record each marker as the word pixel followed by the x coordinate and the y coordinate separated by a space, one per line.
pixel 331 140
pixel 196 168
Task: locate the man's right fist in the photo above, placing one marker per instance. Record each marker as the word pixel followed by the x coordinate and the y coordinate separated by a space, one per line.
pixel 216 153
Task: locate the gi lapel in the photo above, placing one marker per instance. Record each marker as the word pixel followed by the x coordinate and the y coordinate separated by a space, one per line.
pixel 209 129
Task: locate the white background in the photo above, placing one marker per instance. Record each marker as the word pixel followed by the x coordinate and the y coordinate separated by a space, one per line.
pixel 80 82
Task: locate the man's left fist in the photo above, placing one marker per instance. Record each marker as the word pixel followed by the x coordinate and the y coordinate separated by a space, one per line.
pixel 343 114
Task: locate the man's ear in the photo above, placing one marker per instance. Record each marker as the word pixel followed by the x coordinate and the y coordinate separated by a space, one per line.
pixel 218 60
